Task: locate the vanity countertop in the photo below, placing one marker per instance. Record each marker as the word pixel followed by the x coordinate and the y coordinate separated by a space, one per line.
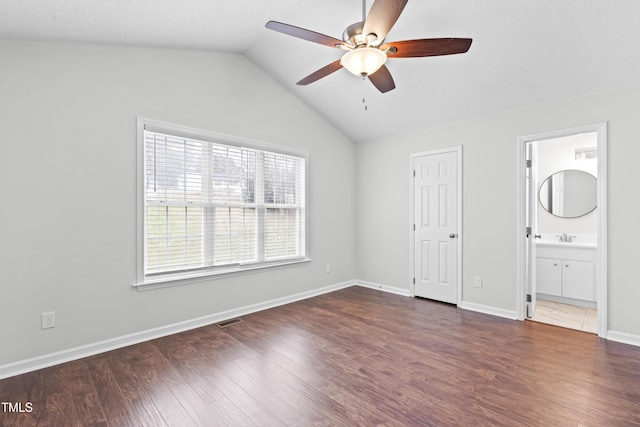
pixel 585 245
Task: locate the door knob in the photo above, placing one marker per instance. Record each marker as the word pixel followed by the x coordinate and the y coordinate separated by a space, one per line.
pixel 453 236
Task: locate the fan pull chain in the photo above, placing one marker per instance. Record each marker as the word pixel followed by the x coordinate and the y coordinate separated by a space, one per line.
pixel 364 93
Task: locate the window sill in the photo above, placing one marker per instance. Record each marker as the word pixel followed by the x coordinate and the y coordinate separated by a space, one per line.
pixel 235 270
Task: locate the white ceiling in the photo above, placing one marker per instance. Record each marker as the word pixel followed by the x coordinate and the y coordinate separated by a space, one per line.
pixel 524 53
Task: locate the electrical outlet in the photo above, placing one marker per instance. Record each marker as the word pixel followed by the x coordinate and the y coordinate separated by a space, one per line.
pixel 477 282
pixel 48 320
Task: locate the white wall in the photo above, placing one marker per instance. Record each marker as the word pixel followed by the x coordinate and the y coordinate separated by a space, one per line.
pixel 489 200
pixel 68 186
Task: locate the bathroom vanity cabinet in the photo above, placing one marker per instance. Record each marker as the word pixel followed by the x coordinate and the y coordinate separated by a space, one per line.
pixel 565 271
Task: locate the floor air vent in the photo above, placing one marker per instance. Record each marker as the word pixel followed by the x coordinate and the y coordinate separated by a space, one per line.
pixel 228 323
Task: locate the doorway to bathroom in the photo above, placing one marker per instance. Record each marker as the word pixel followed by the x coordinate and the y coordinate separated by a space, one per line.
pixel 562 228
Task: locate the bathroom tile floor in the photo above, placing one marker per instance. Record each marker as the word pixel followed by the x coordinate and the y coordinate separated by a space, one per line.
pixel 566 316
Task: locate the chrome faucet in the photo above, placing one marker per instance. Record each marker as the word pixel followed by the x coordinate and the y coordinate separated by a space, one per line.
pixel 564 237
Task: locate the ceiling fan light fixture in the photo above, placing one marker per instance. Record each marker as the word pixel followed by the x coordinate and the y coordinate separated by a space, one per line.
pixel 363 61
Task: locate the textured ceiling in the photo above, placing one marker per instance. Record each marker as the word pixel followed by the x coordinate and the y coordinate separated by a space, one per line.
pixel 524 53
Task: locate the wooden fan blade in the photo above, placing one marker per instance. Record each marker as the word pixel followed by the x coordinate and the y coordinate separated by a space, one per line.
pixel 427 47
pixel 382 80
pixel 382 15
pixel 322 72
pixel 304 34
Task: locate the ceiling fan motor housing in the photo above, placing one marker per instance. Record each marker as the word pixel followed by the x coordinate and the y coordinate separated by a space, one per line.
pixel 353 34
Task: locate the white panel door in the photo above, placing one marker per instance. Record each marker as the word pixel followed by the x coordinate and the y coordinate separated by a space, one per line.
pixel 436 221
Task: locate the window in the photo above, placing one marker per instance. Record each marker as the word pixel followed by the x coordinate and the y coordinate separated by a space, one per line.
pixel 214 204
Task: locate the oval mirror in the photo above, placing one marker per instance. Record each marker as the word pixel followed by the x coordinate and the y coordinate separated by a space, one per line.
pixel 569 193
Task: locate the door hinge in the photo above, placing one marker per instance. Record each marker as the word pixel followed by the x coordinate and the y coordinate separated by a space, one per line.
pixel 528 297
pixel 414 280
pixel 414 227
pixel 528 231
pixel 529 163
pixel 414 173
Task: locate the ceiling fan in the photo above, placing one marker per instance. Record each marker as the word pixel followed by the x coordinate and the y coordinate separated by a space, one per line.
pixel 366 54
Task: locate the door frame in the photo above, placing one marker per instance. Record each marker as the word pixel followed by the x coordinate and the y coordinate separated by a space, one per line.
pixel 412 158
pixel 531 216
pixel 601 254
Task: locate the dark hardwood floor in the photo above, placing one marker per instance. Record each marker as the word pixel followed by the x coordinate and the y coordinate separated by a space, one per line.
pixel 352 357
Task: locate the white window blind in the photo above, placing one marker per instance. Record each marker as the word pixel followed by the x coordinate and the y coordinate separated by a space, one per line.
pixel 211 206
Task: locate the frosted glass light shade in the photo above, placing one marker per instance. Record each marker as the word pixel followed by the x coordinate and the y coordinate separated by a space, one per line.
pixel 363 61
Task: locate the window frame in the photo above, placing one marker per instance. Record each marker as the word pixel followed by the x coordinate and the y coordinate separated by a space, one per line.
pixel 153 281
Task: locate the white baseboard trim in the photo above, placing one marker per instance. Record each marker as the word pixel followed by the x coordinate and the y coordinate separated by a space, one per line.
pixel 624 338
pixel 385 288
pixel 500 312
pixel 51 359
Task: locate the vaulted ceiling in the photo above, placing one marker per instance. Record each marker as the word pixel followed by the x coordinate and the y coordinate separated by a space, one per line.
pixel 524 53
